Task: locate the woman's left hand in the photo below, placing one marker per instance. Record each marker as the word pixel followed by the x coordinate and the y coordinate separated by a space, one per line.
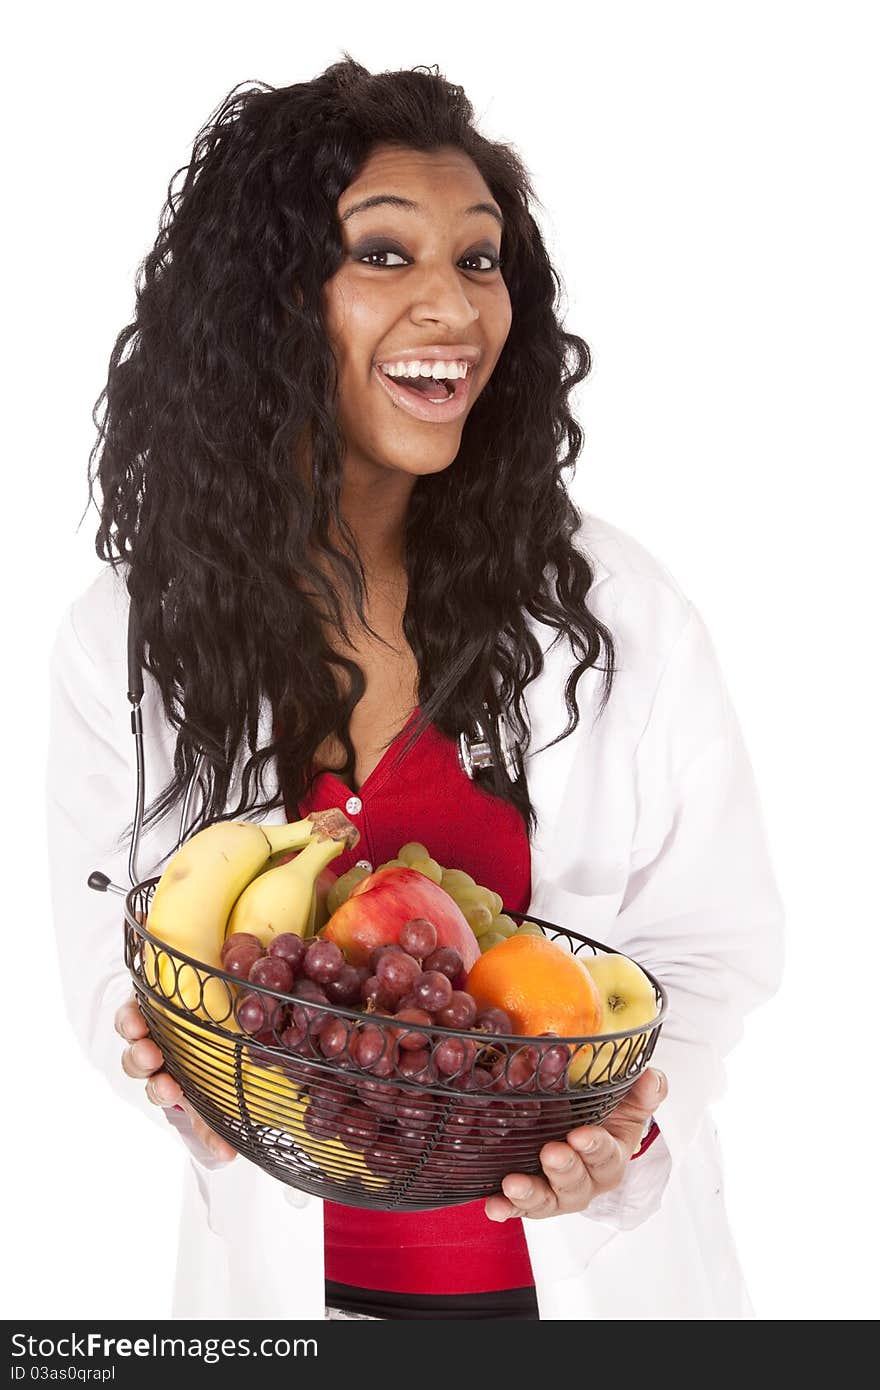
pixel 592 1159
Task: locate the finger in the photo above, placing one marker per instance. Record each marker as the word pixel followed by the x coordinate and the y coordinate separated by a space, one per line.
pixel 567 1175
pixel 529 1195
pixel 129 1022
pixel 603 1156
pixel 499 1208
pixel 141 1059
pixel 211 1140
pixel 628 1119
pixel 163 1090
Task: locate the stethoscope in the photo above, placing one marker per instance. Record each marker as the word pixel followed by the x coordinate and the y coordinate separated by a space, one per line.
pixel 474 753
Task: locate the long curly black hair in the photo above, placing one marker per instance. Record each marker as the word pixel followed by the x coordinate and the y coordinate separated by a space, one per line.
pixel 224 371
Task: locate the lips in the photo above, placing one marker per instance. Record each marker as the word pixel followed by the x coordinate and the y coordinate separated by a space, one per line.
pixel 420 407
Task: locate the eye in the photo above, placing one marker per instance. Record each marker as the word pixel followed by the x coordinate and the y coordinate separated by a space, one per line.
pixel 366 256
pixel 380 251
pixel 494 261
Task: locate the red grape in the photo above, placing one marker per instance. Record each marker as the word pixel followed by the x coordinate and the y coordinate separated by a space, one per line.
pixel 261 1055
pixel 461 1120
pixel 358 1127
pixel 525 1113
pixel 328 1097
pixel 378 952
pixel 258 1012
pixel 552 1066
pixel 333 1037
pixel 415 1066
pixel 272 971
pixel 294 1033
pixel 319 1124
pixel 311 1020
pixel 445 959
pixel 496 1123
pixel 418 937
pixel 385 1159
pixel 323 961
pixel 369 1044
pixel 289 947
pixel 378 1096
pixel 411 1140
pixel 517 1072
pixel 460 1012
pixel 374 994
pixel 236 941
pixel 432 990
pixel 384 1065
pixel 410 1039
pixel 397 972
pixel 241 955
pixel 414 1113
pixel 452 1055
pixel 494 1021
pixel 346 988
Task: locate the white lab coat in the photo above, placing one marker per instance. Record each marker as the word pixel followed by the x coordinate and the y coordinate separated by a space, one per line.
pixel 650 838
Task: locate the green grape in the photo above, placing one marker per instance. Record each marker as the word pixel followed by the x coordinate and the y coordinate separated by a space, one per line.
pixel 455 880
pixel 496 898
pixel 340 891
pixel 394 864
pixel 413 851
pixel 468 898
pixel 529 929
pixel 505 925
pixel 490 939
pixel 479 919
pixel 430 868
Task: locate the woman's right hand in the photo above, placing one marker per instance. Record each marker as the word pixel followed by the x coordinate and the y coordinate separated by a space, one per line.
pixel 142 1059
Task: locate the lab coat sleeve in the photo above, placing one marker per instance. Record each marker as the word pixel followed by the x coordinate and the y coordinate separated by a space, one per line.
pixel 701 909
pixel 89 797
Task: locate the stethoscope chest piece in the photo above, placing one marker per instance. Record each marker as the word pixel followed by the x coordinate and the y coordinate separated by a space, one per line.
pixel 475 753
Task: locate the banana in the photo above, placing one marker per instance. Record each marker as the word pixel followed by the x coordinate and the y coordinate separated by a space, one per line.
pixel 283 899
pixel 195 895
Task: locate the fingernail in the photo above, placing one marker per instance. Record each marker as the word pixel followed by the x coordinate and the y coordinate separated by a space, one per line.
pixel 519 1190
pixel 561 1165
pixel 586 1146
pixel 661 1077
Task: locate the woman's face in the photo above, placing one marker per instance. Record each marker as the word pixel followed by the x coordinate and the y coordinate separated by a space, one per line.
pixel 414 280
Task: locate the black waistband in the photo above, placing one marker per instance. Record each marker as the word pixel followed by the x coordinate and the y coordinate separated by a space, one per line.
pixel 503 1303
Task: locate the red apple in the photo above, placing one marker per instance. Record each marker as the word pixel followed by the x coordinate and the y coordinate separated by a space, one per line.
pixel 378 906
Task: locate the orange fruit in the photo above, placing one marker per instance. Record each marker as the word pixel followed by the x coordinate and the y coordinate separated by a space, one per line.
pixel 541 986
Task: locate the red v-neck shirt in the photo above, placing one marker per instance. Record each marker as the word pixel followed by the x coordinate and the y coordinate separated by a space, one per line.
pixel 428 798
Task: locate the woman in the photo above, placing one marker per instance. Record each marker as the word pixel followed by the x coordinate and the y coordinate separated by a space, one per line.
pixel 326 556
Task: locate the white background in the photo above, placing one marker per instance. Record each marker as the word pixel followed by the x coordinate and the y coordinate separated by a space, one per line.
pixel 708 176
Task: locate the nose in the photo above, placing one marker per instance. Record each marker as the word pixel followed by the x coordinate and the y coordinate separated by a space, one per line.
pixel 442 296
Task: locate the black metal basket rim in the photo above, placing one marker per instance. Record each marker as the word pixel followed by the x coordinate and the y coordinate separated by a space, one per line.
pixel 359 1016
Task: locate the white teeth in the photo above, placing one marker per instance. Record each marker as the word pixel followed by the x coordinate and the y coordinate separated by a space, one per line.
pixel 439 370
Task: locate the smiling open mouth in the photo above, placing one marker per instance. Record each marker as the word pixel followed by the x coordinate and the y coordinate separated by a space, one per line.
pixel 435 399
pixel 427 387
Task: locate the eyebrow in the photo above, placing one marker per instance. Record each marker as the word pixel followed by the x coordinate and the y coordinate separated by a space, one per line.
pixel 407 205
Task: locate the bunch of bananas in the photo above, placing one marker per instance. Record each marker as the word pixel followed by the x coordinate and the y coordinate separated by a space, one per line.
pixel 482 907
pixel 228 878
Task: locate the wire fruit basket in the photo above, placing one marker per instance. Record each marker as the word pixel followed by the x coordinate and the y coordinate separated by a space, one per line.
pixel 387 1135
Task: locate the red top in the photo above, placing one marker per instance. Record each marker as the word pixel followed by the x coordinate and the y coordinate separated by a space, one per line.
pixel 428 798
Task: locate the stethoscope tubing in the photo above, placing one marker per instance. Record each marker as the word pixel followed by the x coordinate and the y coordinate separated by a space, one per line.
pixel 474 752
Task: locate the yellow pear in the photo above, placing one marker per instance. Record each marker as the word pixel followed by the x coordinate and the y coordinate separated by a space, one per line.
pixel 628 1001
